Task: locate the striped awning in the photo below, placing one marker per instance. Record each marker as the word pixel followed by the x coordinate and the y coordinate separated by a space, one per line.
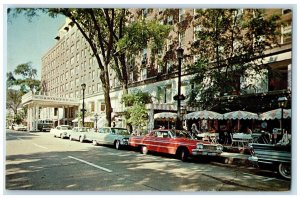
pixel 169 107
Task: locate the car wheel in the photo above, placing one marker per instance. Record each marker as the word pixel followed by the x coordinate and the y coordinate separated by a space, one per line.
pixel 54 136
pixel 284 170
pixel 144 150
pixel 117 145
pixel 183 155
pixel 81 139
pixel 94 142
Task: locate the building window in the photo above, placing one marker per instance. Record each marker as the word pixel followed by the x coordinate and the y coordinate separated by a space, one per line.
pixel 170 20
pixel 102 106
pixel 92 106
pixel 143 74
pixel 181 14
pixel 181 39
pixel 286 34
pixel 72 48
pixel 55 111
pixel 144 56
pixel 98 87
pixel 131 77
pixel 169 44
pixel 197 29
pixel 72 71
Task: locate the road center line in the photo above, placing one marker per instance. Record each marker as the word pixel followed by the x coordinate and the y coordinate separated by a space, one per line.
pixel 91 164
pixel 40 146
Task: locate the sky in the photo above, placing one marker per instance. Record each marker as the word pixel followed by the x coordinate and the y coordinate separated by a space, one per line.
pixel 29 41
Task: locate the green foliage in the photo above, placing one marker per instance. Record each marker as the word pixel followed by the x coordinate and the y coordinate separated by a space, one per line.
pixel 28 75
pixel 138 116
pixel 138 97
pixel 141 34
pixel 229 44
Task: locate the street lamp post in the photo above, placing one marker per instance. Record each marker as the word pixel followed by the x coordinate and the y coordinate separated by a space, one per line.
pixel 282 102
pixel 179 96
pixel 96 118
pixel 83 86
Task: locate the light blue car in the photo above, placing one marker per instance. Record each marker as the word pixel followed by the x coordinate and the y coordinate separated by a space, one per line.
pixel 117 137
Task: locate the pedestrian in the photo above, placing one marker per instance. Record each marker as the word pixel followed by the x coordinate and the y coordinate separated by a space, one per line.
pixel 194 130
pixel 248 130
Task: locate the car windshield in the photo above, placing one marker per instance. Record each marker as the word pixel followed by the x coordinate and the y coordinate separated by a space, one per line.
pixel 120 131
pixel 66 128
pixel 83 129
pixel 181 134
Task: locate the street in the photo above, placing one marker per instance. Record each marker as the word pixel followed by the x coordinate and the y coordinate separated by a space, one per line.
pixel 38 161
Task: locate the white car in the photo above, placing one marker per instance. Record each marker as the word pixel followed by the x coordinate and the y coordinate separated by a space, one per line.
pixel 19 127
pixel 61 131
pixel 80 133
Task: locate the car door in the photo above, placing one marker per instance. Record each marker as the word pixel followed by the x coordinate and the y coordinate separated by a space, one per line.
pixel 164 141
pixel 99 136
pixel 107 136
pixel 150 141
pixel 111 136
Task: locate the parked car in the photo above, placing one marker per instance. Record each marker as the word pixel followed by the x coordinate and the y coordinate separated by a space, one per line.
pixel 19 127
pixel 117 137
pixel 276 157
pixel 61 131
pixel 80 133
pixel 176 142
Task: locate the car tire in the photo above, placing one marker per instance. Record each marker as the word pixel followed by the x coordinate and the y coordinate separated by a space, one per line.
pixel 117 145
pixel 284 170
pixel 183 154
pixel 94 142
pixel 144 150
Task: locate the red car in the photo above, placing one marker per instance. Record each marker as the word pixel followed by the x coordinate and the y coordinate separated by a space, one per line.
pixel 177 142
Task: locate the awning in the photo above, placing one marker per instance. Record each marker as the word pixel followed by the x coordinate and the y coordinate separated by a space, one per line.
pixel 203 115
pixel 275 114
pixel 240 115
pixel 165 116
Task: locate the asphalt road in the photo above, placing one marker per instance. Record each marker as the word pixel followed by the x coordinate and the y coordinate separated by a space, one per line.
pixel 38 161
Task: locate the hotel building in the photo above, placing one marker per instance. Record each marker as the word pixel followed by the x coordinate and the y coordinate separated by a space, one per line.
pixel 69 63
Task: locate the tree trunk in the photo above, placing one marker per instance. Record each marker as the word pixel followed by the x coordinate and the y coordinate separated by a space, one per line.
pixel 104 76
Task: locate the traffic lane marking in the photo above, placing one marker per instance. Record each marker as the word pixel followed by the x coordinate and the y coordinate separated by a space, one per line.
pixel 91 164
pixel 40 146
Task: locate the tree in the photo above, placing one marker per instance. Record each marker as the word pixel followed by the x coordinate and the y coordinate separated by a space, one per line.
pixel 17 87
pixel 110 39
pixel 136 113
pixel 230 45
pixel 28 75
pixel 13 100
